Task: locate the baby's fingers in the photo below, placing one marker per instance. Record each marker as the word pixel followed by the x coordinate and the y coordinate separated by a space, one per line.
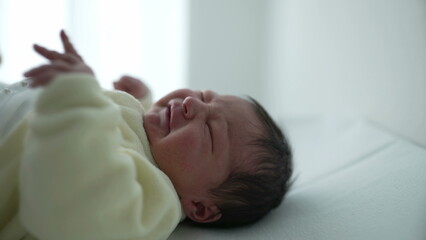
pixel 57 65
pixel 68 47
pixel 53 55
pixel 131 85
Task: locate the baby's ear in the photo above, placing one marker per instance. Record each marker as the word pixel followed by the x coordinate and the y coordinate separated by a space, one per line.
pixel 201 211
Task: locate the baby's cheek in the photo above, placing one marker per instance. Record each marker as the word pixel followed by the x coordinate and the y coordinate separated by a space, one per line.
pixel 184 135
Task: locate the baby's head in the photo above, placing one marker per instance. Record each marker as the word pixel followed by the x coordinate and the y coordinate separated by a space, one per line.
pixel 228 161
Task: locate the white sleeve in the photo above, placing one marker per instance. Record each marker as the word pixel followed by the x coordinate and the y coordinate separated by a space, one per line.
pixel 77 181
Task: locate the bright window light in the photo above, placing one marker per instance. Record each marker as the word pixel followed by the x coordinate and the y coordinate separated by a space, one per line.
pixel 145 39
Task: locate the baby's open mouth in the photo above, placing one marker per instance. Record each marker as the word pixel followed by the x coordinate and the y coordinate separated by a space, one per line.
pixel 168 117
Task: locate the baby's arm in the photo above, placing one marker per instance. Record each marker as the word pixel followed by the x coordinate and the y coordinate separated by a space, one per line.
pixel 77 181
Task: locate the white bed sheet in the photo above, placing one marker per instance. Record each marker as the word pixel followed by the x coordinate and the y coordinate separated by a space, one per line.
pixel 354 181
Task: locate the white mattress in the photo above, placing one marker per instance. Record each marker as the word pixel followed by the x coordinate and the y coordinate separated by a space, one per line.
pixel 354 181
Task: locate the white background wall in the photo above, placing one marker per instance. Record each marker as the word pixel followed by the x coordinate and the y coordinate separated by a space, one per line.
pixel 363 58
pixel 352 57
pixel 225 45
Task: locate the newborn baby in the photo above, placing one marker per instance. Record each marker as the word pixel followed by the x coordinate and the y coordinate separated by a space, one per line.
pixel 86 163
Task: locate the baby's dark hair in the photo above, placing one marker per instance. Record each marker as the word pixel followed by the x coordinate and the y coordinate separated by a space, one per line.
pixel 246 197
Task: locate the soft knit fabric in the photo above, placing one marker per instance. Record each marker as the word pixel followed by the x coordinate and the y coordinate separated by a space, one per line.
pixel 79 167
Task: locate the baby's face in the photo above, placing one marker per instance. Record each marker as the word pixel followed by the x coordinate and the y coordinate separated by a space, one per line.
pixel 198 137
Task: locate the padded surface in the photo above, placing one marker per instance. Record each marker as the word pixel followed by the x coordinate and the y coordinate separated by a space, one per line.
pixel 354 181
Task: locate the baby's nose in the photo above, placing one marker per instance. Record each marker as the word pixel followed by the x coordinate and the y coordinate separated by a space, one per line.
pixel 193 106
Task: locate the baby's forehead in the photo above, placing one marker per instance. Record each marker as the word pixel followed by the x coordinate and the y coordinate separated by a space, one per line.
pixel 242 112
pixel 242 106
pixel 241 102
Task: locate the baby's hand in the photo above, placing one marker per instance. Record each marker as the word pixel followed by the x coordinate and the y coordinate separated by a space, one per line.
pixel 59 63
pixel 132 86
pixel 68 62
